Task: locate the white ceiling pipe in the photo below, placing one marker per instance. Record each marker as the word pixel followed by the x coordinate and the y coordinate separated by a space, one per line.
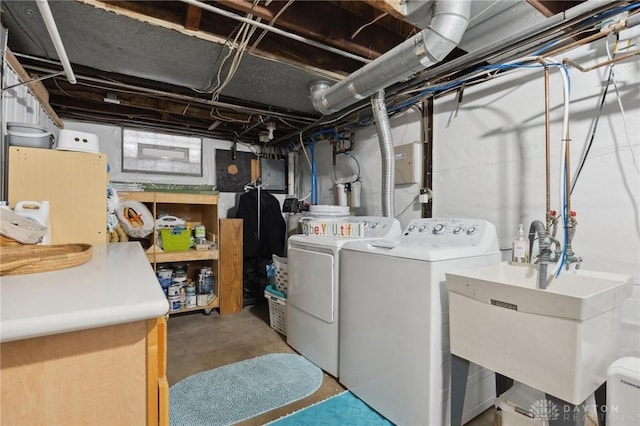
pixel 50 23
pixel 448 23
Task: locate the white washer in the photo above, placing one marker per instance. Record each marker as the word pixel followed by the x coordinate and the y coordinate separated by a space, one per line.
pixel 313 289
pixel 394 326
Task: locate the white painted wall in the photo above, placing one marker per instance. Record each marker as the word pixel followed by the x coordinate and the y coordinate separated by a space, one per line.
pixel 405 128
pixel 489 163
pixel 110 138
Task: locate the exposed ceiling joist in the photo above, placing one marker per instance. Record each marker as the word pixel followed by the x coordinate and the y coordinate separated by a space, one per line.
pixel 393 7
pixel 162 58
pixel 192 21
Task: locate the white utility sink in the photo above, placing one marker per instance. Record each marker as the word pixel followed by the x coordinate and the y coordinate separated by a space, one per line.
pixel 560 340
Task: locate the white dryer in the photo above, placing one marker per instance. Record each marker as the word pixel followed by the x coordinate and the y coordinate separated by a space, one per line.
pixel 313 290
pixel 394 326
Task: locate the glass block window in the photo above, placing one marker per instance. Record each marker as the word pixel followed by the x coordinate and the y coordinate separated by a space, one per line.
pixel 149 152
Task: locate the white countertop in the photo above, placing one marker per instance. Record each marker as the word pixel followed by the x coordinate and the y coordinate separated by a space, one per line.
pixel 116 286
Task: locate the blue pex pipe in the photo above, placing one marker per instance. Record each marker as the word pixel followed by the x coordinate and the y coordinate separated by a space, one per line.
pixel 314 177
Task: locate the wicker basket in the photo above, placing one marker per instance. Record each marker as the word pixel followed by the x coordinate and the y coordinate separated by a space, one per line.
pixel 33 259
pixel 282 273
pixel 277 310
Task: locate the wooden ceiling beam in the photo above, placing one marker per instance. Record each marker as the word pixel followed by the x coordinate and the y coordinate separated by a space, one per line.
pixel 327 23
pixel 247 7
pixel 392 7
pixel 35 87
pixel 549 7
pixel 144 102
pixel 113 117
pixel 192 21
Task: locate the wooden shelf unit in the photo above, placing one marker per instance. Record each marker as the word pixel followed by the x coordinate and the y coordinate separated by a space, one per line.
pixel 199 209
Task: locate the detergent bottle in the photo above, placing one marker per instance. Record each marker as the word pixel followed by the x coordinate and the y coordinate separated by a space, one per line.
pixel 520 253
pixel 38 212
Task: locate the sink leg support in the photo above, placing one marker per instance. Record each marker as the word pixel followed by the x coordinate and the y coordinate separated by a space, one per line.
pixel 567 415
pixel 459 373
pixel 503 384
pixel 601 403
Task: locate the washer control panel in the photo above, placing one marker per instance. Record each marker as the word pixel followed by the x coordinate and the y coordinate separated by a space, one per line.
pixel 378 227
pixel 447 231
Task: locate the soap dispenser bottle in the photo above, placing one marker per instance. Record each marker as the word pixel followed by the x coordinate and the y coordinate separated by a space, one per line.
pixel 520 252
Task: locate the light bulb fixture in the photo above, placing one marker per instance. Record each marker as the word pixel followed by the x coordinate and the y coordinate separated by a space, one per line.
pixel 271 126
pixel 264 137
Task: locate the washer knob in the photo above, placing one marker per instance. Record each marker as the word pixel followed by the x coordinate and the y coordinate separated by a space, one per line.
pixel 438 229
pixel 411 228
pixel 422 228
pixel 374 225
pixel 457 229
pixel 472 230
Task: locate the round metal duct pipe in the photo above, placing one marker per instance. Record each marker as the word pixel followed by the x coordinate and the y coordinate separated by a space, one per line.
pixel 387 151
pixel 448 23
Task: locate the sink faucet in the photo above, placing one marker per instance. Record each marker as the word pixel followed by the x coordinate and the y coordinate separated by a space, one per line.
pixel 570 254
pixel 544 250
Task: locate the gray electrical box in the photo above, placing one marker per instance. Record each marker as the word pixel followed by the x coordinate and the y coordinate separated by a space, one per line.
pixel 273 174
pixel 408 163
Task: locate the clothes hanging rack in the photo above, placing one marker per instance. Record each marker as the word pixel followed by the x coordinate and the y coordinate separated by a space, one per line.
pixel 257 184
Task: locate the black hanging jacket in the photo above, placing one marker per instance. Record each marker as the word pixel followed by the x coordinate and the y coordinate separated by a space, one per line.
pixel 272 225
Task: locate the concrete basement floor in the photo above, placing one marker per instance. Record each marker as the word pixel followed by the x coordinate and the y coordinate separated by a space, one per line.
pixel 198 342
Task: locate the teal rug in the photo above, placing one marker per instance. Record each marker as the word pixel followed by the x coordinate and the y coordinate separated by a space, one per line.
pixel 343 409
pixel 236 392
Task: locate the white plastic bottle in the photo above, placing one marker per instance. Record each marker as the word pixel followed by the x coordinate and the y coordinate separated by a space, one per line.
pixel 38 212
pixel 520 252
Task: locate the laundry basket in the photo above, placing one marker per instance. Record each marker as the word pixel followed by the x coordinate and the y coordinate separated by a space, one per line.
pixel 282 273
pixel 277 309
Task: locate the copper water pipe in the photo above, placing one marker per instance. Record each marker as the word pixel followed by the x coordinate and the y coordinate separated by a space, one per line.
pixel 605 32
pixel 601 64
pixel 547 126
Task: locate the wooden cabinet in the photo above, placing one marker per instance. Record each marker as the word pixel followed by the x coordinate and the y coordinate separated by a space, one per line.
pixel 225 259
pixel 74 183
pixel 114 375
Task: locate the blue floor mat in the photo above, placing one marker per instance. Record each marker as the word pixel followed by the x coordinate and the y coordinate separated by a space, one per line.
pixel 343 409
pixel 238 391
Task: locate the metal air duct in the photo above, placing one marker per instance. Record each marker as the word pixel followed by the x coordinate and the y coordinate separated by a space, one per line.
pixel 448 23
pixel 387 151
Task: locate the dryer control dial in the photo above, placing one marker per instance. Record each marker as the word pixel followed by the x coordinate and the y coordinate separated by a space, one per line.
pixel 472 230
pixel 422 228
pixel 457 229
pixel 439 228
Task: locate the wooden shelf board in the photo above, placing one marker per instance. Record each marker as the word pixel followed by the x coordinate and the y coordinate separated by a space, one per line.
pixel 183 256
pixel 182 198
pixel 214 304
pixel 143 197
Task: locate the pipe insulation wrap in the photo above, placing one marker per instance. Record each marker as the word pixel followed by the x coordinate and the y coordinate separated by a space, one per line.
pixel 449 21
pixel 386 151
